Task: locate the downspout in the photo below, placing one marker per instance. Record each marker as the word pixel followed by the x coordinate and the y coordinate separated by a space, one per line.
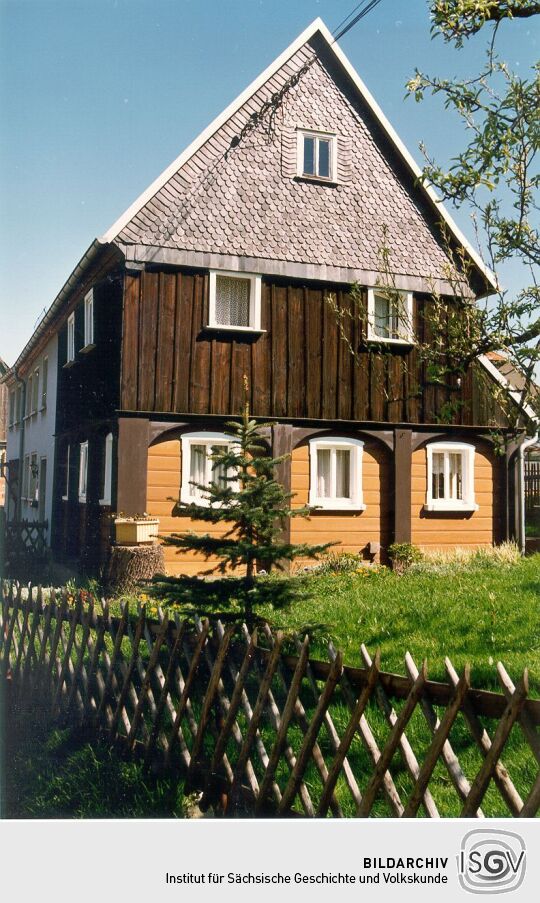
pixel 22 383
pixel 532 440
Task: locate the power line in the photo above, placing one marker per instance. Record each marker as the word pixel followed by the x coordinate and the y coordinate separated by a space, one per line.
pixel 363 12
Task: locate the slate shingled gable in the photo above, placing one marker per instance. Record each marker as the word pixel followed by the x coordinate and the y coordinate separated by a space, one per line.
pixel 241 207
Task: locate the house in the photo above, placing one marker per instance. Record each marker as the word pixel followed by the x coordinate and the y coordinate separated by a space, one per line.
pixel 240 259
pixel 31 414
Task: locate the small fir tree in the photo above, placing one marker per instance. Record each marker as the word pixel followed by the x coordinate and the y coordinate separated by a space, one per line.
pixel 254 507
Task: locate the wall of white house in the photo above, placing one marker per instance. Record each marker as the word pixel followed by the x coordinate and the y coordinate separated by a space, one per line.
pixel 36 425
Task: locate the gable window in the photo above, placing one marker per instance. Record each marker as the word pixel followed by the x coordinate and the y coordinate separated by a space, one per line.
pixel 316 155
pixel 235 301
pixel 336 473
pixel 71 338
pixel 89 320
pixel 107 470
pixel 450 477
pixel 199 469
pixel 390 316
pixel 83 471
pixel 44 381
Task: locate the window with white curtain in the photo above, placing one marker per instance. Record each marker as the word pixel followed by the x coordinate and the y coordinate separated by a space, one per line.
pixel 235 301
pixel 198 468
pixel 450 477
pixel 83 471
pixel 336 473
pixel 107 470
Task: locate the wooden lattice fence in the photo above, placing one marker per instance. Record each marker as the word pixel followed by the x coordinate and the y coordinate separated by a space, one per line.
pixel 258 726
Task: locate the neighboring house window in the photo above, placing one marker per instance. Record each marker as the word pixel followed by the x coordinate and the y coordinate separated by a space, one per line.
pixel 28 403
pixel 198 467
pixel 71 338
pixel 450 477
pixel 26 477
pixel 19 405
pixel 35 391
pixel 336 473
pixel 65 494
pixel 317 155
pixel 89 319
pixel 12 408
pixel 390 316
pixel 33 479
pixel 107 471
pixel 83 471
pixel 235 301
pixel 44 381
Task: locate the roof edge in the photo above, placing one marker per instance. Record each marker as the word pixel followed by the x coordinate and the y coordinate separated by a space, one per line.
pixel 506 384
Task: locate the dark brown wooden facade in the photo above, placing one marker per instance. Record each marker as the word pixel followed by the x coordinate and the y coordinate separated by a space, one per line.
pixel 299 367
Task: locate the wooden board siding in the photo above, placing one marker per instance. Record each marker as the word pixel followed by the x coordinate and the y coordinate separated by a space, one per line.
pixel 439 530
pixel 351 530
pixel 164 469
pixel 300 367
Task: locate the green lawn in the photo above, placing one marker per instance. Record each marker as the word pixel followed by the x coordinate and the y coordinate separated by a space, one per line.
pixel 478 616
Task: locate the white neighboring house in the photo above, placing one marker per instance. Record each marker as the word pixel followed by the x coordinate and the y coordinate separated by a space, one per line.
pixel 30 436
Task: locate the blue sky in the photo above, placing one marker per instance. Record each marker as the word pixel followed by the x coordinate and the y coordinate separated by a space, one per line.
pixel 97 97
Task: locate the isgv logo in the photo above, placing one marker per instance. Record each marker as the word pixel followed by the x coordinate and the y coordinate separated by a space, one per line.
pixel 491 861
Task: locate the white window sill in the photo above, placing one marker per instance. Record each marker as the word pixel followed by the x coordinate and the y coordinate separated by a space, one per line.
pixel 65 498
pixel 336 505
pixel 250 330
pixel 320 180
pixel 87 348
pixel 82 499
pixel 451 507
pixel 105 502
pixel 380 340
pixel 69 364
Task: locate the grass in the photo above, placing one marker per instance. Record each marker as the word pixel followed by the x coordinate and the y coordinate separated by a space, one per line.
pixel 57 773
pixel 477 615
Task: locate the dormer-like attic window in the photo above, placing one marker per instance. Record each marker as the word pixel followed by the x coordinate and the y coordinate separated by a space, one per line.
pixel 316 155
pixel 235 301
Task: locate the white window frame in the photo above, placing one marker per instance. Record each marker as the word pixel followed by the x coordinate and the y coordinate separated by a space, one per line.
pixel 337 443
pixel 35 391
pixel 88 321
pixel 200 438
pixel 70 356
pixel 28 397
pixel 406 336
pixel 65 495
pixel 107 471
pixel 467 452
pixel 83 471
pixel 254 302
pixel 317 134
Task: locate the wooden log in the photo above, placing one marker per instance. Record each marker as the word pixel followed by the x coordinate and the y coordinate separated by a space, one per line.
pixel 129 566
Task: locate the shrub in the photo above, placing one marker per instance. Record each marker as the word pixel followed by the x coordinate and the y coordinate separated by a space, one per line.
pixel 403 555
pixel 339 563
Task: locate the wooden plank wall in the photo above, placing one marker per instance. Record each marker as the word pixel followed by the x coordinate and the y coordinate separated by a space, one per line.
pixel 299 367
pixel 439 530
